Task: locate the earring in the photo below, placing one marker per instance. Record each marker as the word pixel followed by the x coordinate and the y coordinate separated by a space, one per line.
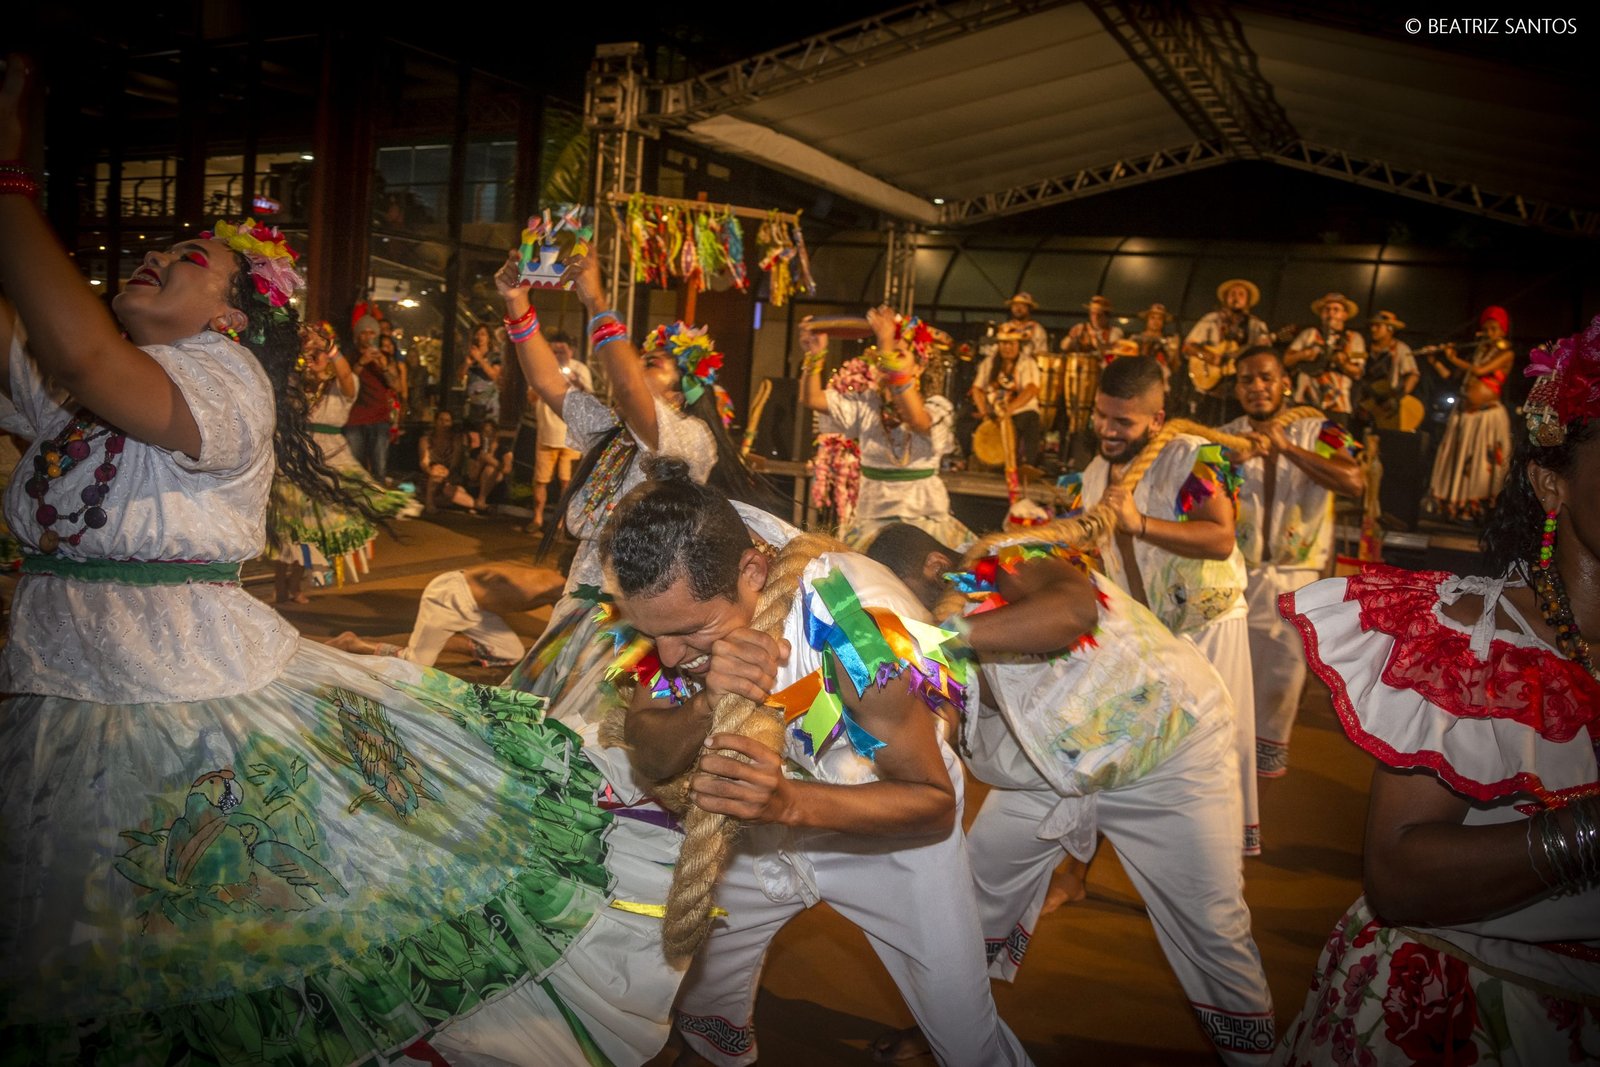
pixel 1547 543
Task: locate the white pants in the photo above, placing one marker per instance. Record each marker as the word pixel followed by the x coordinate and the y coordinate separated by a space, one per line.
pixel 1279 664
pixel 1226 643
pixel 1175 832
pixel 913 900
pixel 448 607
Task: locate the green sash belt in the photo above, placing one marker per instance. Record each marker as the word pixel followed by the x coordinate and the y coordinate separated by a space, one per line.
pixel 898 474
pixel 324 427
pixel 133 571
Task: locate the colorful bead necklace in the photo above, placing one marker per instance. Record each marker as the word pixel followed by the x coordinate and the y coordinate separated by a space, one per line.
pixel 1551 593
pixel 59 455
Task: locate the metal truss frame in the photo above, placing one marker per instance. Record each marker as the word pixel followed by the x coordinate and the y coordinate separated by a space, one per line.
pixel 1087 182
pixel 849 48
pixel 1197 58
pixel 900 267
pixel 1420 184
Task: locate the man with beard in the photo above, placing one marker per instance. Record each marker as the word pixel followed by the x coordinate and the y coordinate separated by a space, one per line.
pixel 861 808
pixel 1285 530
pixel 1095 719
pixel 1329 359
pixel 1173 548
pixel 1212 346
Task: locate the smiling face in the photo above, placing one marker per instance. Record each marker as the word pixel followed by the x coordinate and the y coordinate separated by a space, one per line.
pixel 1125 426
pixel 1261 386
pixel 685 629
pixel 180 292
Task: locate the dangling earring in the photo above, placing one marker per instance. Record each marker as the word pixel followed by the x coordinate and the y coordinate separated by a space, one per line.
pixel 1547 543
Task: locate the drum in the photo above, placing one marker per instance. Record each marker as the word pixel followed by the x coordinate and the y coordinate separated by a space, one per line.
pixel 988 443
pixel 1080 376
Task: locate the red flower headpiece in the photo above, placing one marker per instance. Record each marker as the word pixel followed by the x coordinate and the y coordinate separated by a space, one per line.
pixel 1568 386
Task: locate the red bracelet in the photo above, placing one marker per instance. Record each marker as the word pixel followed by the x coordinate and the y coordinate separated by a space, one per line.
pixel 609 330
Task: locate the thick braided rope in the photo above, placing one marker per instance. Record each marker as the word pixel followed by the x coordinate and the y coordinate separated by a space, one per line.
pixel 1086 530
pixel 707 837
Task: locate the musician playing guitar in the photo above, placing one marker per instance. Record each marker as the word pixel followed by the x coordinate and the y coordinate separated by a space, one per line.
pixel 1329 359
pixel 1214 344
pixel 1391 377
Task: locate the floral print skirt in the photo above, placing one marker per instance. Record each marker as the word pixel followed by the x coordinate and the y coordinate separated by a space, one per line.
pixel 1380 996
pixel 329 869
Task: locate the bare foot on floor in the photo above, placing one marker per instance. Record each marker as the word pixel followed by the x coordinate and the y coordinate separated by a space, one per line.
pixel 350 641
pixel 1067 886
pixel 898 1045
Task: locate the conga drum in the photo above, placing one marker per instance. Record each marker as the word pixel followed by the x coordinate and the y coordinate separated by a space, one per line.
pixel 1080 376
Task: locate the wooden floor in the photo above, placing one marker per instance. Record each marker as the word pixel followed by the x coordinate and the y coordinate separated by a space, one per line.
pixel 1094 989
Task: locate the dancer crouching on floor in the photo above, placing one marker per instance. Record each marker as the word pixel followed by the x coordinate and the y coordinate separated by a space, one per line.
pixel 734 608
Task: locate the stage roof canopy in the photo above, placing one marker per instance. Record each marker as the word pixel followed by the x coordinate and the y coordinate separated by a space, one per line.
pixel 955 112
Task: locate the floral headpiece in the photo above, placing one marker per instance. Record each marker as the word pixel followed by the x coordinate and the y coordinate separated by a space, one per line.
pixel 1568 386
pixel 272 261
pixel 695 353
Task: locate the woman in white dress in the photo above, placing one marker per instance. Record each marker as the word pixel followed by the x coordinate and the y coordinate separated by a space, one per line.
pixel 221 843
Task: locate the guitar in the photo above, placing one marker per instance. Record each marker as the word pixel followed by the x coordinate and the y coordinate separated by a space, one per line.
pixel 1209 364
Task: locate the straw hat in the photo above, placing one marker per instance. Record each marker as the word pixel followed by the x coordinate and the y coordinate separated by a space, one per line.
pixel 1249 287
pixel 1389 319
pixel 1350 306
pixel 1024 298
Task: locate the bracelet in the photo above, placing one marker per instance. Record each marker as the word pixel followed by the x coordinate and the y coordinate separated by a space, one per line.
pixel 1554 887
pixel 608 331
pixel 18 182
pixel 1559 853
pixel 604 315
pixel 1585 834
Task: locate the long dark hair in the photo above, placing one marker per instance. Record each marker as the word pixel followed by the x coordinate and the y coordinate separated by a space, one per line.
pixel 1516 525
pixel 273 336
pixel 730 477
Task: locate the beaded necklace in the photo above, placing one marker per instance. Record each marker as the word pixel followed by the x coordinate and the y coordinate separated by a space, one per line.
pixel 1551 593
pixel 59 455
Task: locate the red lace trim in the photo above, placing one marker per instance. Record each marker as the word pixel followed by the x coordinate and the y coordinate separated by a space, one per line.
pixel 1528 685
pixel 1523 782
